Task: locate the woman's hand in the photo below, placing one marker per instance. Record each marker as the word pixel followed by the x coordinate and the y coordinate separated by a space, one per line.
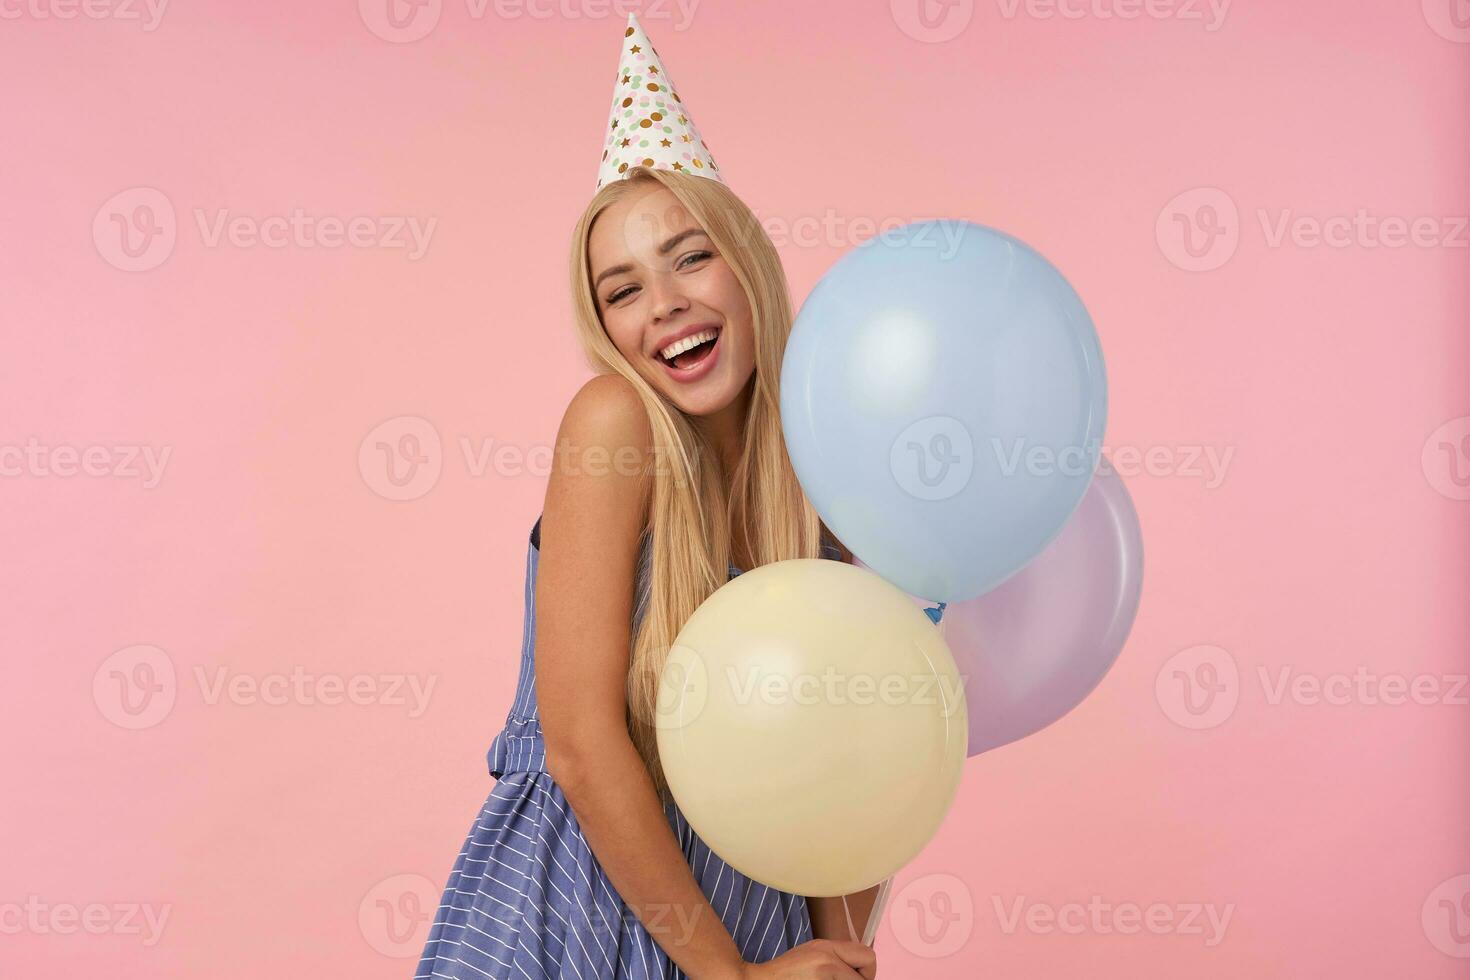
pixel 820 959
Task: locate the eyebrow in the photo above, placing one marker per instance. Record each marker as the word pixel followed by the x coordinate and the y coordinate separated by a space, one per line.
pixel 663 249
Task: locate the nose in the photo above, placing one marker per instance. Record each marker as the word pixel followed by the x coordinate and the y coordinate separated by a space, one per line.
pixel 668 299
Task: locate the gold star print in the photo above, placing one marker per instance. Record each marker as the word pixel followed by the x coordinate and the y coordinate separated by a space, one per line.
pixel 635 49
pixel 614 124
pixel 666 143
pixel 678 166
pixel 625 142
pixel 685 139
pixel 653 70
pixel 682 120
pixel 627 79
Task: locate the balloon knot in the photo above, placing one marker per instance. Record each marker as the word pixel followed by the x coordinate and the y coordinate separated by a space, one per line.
pixel 935 613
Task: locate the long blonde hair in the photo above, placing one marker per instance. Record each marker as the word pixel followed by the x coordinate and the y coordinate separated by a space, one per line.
pixel 691 521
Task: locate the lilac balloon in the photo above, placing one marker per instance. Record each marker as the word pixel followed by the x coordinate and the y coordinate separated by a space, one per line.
pixel 1032 648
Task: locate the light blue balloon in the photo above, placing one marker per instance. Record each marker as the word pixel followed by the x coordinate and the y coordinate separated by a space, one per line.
pixel 943 399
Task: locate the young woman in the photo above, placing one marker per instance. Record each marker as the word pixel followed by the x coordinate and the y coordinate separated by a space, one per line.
pixel 670 476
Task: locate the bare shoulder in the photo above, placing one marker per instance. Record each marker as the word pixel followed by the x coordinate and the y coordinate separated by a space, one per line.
pixel 607 409
pixel 605 432
pixel 597 496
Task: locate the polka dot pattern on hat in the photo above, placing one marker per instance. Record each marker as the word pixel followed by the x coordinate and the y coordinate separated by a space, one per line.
pixel 649 125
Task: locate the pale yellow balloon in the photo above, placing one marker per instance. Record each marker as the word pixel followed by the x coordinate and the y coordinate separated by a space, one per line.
pixel 812 726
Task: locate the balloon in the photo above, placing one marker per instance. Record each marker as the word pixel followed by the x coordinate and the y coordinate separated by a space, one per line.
pixel 943 400
pixel 1033 649
pixel 811 723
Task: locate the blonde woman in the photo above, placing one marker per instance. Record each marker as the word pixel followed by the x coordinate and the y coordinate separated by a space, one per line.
pixel 670 476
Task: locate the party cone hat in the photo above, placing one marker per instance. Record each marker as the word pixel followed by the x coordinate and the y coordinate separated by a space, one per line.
pixel 649 124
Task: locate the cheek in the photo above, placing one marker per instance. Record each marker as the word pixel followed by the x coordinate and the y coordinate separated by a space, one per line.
pixel 623 334
pixel 731 298
pixel 737 312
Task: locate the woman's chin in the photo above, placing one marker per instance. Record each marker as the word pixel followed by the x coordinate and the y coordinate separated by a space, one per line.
pixel 708 396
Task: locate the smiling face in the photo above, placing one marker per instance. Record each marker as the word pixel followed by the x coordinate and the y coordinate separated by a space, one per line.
pixel 657 277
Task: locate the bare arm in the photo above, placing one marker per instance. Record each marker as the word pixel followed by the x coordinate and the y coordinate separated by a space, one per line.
pixel 595 505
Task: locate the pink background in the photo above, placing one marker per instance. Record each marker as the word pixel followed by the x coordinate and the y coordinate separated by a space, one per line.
pixel 311 838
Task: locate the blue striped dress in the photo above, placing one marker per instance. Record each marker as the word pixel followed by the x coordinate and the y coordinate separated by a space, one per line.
pixel 527 898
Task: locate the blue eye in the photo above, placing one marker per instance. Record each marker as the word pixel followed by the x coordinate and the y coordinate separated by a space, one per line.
pixel 700 256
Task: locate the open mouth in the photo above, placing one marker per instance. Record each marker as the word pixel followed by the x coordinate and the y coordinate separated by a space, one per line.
pixel 691 358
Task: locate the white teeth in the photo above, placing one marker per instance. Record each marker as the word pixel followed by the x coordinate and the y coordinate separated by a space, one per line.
pixel 694 340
